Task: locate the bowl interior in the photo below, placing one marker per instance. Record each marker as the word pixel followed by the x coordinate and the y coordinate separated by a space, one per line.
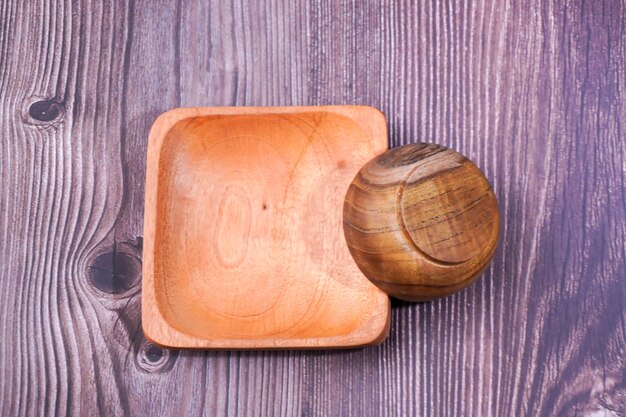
pixel 248 236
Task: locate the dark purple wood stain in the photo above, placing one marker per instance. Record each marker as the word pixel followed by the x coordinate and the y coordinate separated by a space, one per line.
pixel 533 91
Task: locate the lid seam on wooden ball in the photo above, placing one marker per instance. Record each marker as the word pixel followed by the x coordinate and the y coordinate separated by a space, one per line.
pixel 404 229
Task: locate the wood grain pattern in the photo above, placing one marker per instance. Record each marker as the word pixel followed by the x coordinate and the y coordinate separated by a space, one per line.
pixel 421 221
pixel 243 244
pixel 532 91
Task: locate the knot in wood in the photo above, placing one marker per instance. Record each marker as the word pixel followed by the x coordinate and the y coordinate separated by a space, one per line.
pixel 152 358
pixel 45 110
pixel 114 272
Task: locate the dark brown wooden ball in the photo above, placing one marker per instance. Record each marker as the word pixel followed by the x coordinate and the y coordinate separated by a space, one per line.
pixel 421 221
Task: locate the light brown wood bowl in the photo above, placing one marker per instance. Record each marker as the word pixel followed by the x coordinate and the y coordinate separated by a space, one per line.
pixel 243 241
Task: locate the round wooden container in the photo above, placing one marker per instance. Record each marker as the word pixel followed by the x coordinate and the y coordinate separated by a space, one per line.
pixel 421 221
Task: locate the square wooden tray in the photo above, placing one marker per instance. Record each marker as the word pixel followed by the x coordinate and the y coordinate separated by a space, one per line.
pixel 243 240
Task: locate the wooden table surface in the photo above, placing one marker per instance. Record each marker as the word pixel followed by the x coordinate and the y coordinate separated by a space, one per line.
pixel 533 91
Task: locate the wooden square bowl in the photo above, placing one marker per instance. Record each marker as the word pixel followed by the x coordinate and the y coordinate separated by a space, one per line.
pixel 243 241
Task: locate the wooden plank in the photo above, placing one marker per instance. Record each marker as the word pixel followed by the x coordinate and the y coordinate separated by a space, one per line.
pixel 532 91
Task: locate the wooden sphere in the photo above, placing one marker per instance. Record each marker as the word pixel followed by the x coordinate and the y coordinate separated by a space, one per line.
pixel 421 221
